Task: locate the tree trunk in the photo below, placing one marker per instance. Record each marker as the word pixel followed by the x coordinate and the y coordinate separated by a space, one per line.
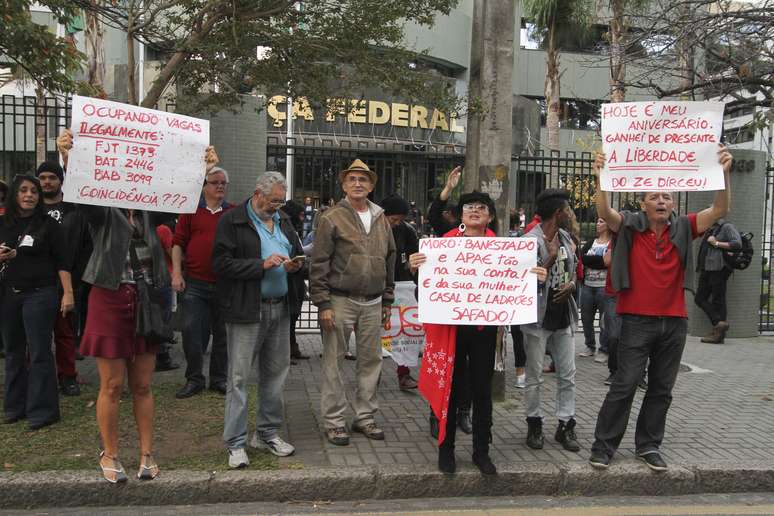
pixel 131 86
pixel 40 125
pixel 552 91
pixel 95 50
pixel 685 59
pixel 617 52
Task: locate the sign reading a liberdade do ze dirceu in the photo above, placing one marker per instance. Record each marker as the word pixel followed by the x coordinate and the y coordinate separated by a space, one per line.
pixel 478 281
pixel 662 146
pixel 126 156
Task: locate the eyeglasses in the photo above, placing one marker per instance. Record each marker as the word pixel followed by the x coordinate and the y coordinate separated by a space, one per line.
pixel 356 179
pixel 278 204
pixel 217 183
pixel 475 207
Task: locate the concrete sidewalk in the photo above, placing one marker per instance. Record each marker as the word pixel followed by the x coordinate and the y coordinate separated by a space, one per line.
pixel 718 439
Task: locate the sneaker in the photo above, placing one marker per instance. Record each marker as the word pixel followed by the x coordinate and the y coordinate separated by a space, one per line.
pixel 609 379
pixel 276 445
pixel 406 382
pixel 599 460
pixel 588 353
pixel 237 458
pixel 370 430
pixel 653 460
pixel 601 358
pixel 521 381
pixel 337 436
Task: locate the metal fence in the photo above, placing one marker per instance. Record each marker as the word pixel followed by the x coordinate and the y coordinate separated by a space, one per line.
pixel 22 121
pixel 766 312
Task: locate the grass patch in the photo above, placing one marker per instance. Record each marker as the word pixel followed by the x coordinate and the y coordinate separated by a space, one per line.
pixel 188 435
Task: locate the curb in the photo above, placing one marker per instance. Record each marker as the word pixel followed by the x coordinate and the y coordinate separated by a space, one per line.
pixel 82 488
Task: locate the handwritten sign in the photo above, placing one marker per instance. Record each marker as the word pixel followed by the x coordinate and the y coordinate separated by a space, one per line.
pixel 130 157
pixel 662 146
pixel 403 336
pixel 478 281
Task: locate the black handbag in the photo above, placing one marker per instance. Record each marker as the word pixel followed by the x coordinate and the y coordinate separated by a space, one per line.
pixel 151 321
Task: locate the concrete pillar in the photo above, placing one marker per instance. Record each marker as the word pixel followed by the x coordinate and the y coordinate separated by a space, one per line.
pixel 748 198
pixel 490 133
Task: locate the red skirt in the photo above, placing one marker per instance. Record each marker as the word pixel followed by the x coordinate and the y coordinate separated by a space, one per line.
pixel 110 324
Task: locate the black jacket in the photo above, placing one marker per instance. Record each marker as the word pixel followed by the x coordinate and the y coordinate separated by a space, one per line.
pixel 238 267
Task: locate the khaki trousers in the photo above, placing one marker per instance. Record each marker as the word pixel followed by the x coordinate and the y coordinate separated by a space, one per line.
pixel 366 322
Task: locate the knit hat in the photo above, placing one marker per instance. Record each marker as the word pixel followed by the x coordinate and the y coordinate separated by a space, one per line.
pixel 52 167
pixel 395 205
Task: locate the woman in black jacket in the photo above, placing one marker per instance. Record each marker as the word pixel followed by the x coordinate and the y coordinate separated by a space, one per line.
pixel 33 257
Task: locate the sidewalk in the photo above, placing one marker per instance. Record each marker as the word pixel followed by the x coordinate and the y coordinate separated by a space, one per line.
pixel 718 439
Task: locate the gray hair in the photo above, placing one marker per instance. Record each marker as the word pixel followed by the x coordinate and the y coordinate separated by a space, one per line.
pixel 216 170
pixel 268 180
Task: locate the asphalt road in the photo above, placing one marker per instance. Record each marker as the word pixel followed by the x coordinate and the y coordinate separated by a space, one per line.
pixel 694 505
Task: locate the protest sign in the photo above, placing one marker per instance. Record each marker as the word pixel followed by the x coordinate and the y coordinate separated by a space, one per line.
pixel 403 336
pixel 479 281
pixel 131 157
pixel 662 146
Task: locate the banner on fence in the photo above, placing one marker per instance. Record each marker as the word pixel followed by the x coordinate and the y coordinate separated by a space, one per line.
pixel 662 146
pixel 478 281
pixel 126 156
pixel 403 337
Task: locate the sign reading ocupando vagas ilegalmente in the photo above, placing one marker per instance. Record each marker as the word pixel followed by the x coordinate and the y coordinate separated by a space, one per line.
pixel 365 118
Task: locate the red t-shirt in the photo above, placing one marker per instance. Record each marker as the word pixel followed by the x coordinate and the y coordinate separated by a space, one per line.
pixel 195 233
pixel 656 276
pixel 165 235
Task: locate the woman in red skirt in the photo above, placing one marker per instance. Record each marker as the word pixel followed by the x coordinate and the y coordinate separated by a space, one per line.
pixel 110 333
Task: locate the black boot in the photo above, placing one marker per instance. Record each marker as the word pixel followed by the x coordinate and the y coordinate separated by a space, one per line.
pixel 463 420
pixel 481 457
pixel 565 434
pixel 446 461
pixel 535 433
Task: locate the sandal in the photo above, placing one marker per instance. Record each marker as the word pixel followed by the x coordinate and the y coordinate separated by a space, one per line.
pixel 148 468
pixel 117 469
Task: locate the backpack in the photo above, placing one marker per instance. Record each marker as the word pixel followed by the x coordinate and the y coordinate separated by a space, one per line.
pixel 740 259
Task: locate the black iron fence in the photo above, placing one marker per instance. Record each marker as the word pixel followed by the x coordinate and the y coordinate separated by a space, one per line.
pixel 766 323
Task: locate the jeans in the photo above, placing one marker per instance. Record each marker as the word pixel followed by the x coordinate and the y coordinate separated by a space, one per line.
pixel 262 347
pixel 28 324
pixel 592 299
pixel 472 378
pixel 612 331
pixel 201 317
pixel 660 339
pixel 366 322
pixel 711 294
pixel 563 354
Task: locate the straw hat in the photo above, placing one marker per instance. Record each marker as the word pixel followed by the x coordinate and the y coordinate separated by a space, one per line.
pixel 358 166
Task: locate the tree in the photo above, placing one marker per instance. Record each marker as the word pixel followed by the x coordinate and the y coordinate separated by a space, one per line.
pixel 50 61
pixel 550 18
pixel 321 50
pixel 620 46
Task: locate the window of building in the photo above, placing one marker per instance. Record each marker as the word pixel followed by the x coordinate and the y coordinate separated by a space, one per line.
pixel 738 111
pixel 743 134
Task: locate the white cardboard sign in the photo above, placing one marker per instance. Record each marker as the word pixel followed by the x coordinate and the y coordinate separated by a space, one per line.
pixel 478 281
pixel 662 146
pixel 126 156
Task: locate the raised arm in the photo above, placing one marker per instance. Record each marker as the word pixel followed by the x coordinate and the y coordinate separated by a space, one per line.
pixel 604 210
pixel 722 203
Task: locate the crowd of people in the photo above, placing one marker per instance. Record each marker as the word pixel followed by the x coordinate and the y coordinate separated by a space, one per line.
pixel 240 272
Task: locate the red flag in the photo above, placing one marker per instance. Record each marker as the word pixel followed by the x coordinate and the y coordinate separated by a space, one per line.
pixel 435 375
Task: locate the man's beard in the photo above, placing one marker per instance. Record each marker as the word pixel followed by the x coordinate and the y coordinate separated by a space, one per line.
pixel 264 215
pixel 52 195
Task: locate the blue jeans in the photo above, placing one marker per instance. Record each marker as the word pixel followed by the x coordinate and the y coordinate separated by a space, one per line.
pixel 264 348
pixel 28 326
pixel 592 299
pixel 660 339
pixel 201 317
pixel 562 349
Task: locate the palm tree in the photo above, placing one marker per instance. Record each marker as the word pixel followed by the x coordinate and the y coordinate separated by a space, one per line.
pixel 551 17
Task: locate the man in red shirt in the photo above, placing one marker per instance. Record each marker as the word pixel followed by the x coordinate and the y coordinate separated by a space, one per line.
pixel 194 240
pixel 652 264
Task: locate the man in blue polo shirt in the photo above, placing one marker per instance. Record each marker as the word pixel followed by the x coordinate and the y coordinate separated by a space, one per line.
pixel 257 281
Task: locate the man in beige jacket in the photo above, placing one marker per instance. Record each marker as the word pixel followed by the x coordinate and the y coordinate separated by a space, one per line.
pixel 351 283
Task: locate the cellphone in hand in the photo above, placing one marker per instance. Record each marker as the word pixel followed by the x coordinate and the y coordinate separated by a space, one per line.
pixel 299 258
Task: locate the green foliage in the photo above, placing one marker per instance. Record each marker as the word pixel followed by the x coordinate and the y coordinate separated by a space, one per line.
pixel 560 14
pixel 47 59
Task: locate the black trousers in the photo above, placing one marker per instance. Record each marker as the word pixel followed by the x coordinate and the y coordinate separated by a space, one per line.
pixel 711 294
pixel 474 361
pixel 660 339
pixel 520 356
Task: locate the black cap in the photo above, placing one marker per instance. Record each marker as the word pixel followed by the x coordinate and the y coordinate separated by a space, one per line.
pixel 52 167
pixel 395 205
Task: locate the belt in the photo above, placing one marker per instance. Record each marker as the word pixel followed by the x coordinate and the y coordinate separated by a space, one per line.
pixel 273 300
pixel 359 299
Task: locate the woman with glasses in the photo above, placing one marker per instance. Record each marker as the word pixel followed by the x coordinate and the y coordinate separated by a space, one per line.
pixel 472 348
pixel 33 257
pixel 125 243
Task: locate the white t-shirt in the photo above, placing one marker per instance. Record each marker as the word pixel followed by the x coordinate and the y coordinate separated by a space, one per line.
pixel 595 277
pixel 366 217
